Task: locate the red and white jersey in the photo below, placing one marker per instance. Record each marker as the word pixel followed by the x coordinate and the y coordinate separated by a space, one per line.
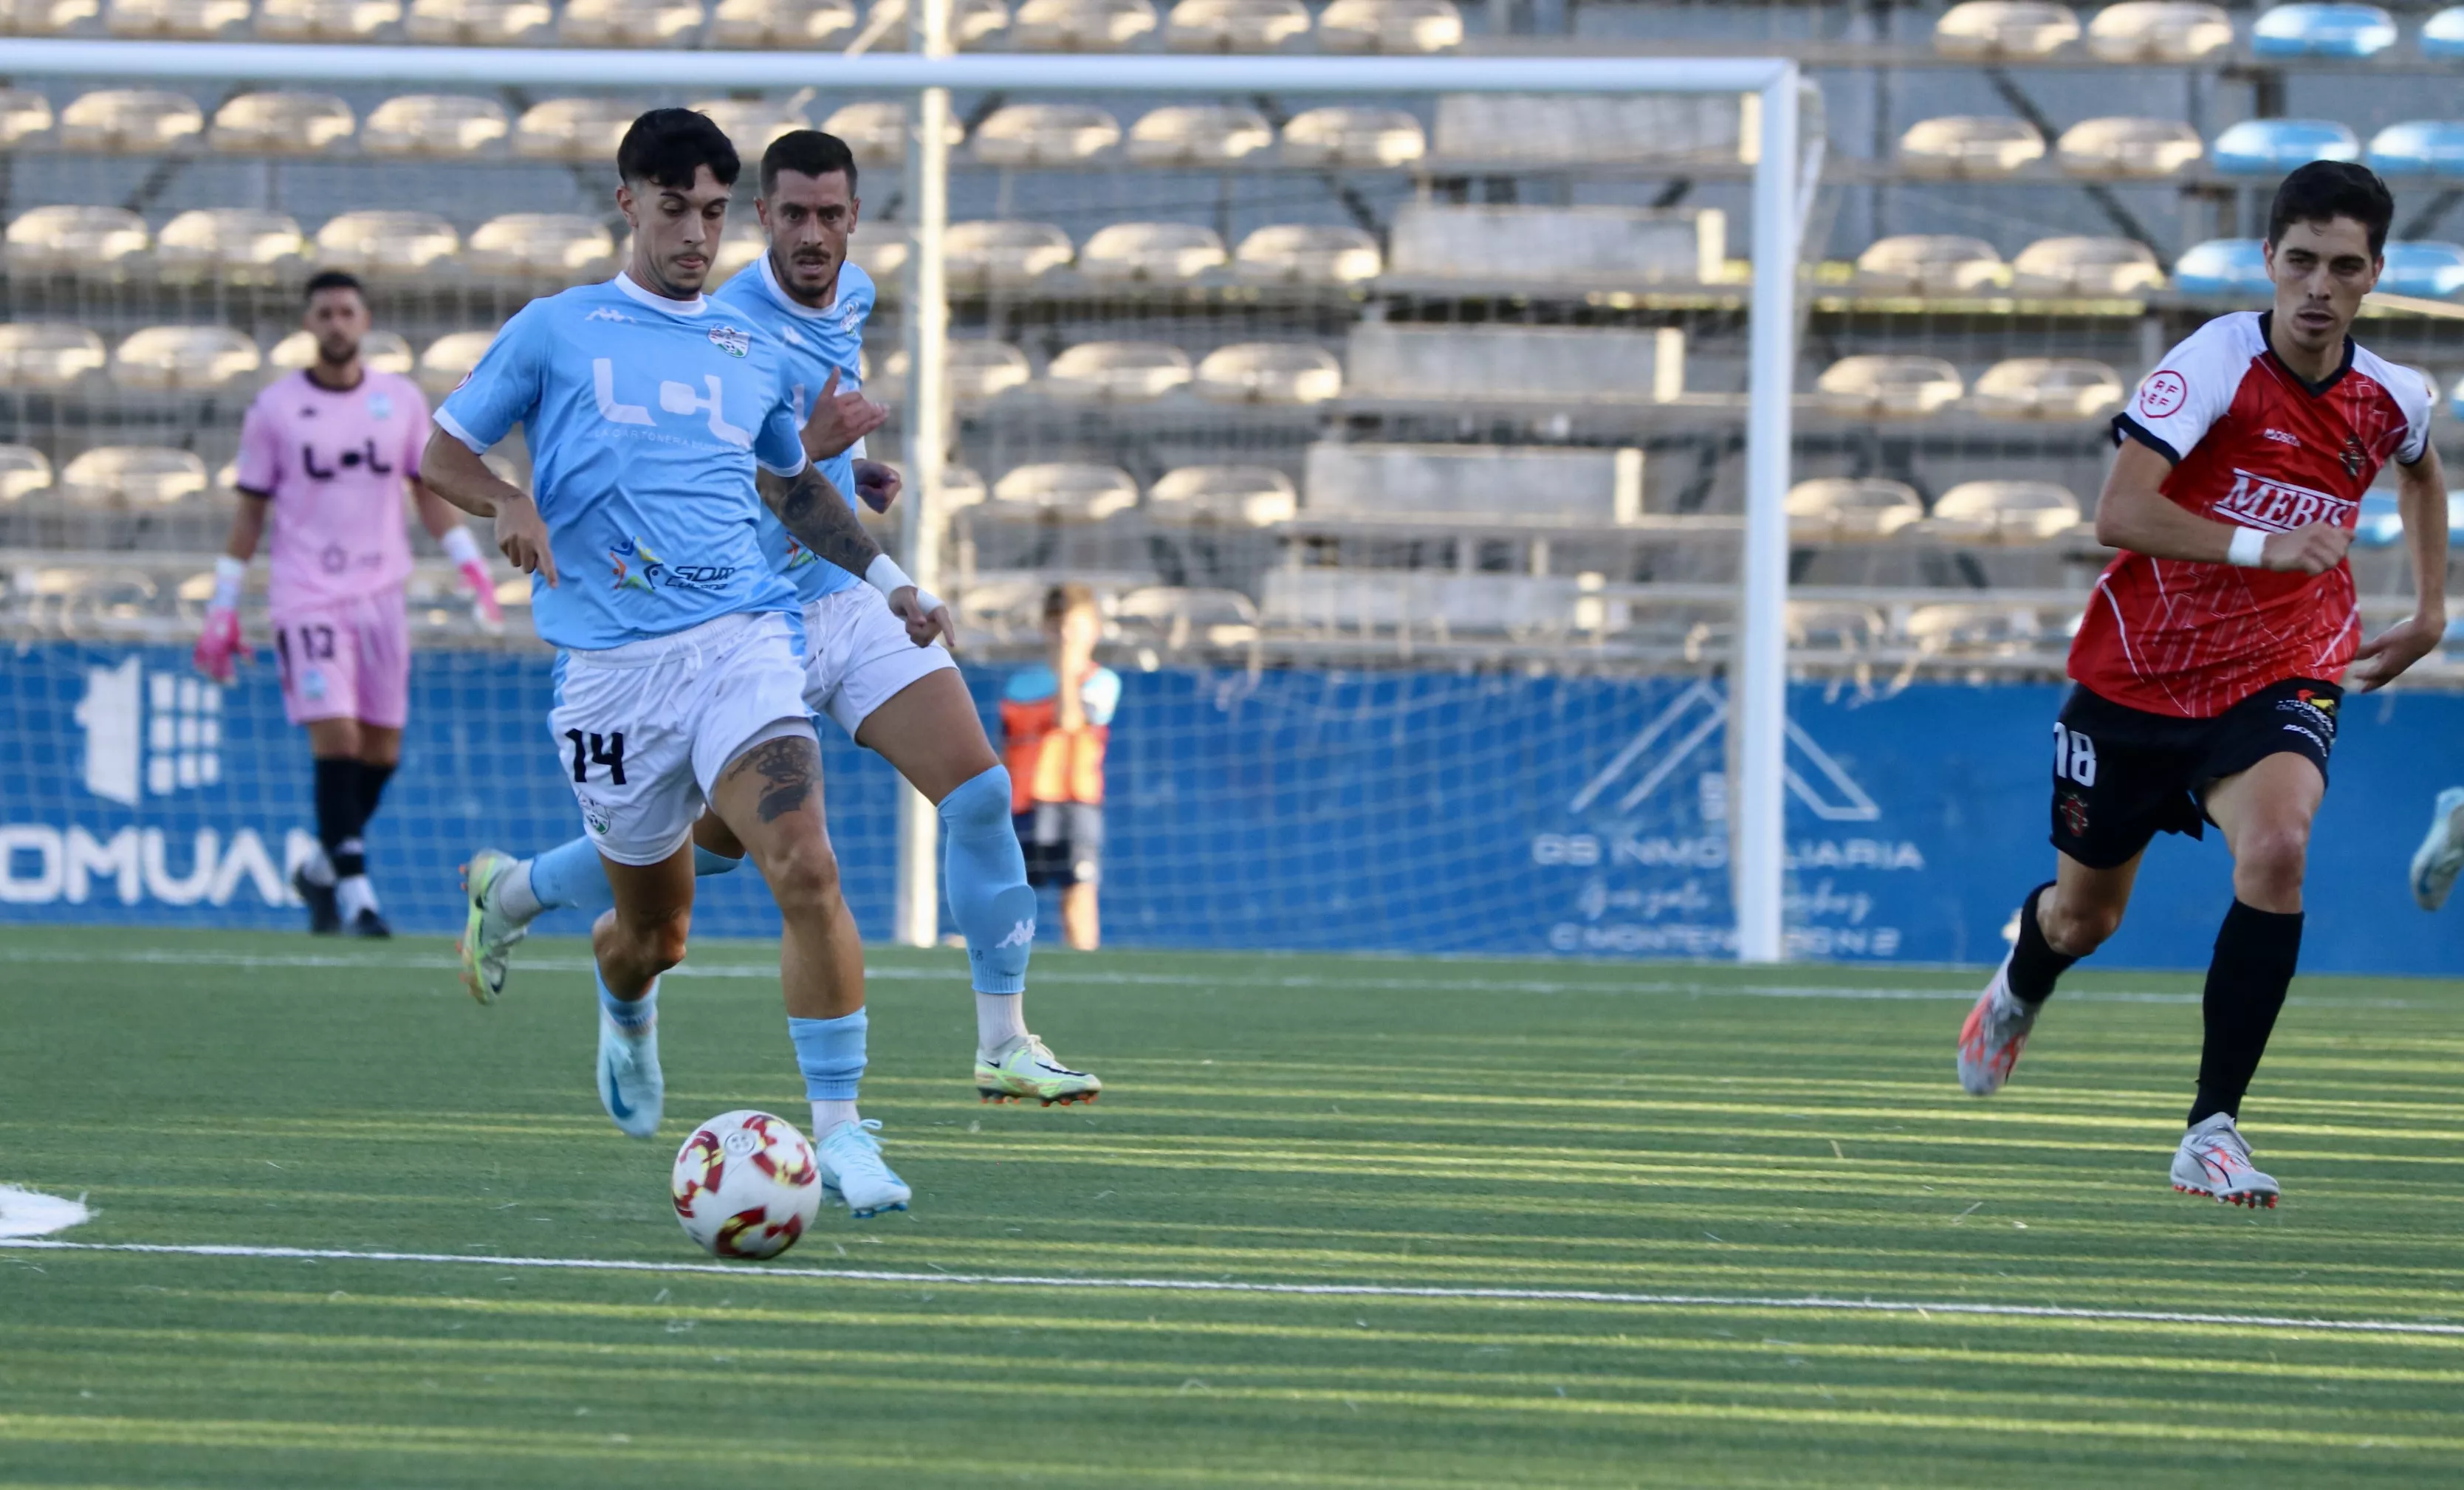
pixel 2255 445
pixel 333 466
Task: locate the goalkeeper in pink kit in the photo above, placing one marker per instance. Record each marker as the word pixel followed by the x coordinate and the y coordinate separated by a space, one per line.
pixel 325 456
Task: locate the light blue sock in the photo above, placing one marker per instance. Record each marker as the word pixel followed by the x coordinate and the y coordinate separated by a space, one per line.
pixel 632 1015
pixel 707 864
pixel 832 1055
pixel 985 874
pixel 570 876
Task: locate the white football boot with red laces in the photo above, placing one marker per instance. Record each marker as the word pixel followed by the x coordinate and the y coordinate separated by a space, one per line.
pixel 1996 1031
pixel 2214 1160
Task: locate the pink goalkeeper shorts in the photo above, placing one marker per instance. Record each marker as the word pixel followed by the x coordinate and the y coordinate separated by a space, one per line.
pixel 351 660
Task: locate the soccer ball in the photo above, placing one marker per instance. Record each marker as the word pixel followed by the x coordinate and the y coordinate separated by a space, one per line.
pixel 746 1185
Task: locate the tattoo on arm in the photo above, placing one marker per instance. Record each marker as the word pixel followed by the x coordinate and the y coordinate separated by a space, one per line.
pixel 819 517
pixel 791 765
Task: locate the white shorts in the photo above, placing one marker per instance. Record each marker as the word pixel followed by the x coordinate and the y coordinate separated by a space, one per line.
pixel 858 656
pixel 645 729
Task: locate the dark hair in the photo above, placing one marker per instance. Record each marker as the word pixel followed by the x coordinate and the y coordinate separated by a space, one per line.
pixel 2325 190
pixel 807 152
pixel 667 146
pixel 1062 598
pixel 326 280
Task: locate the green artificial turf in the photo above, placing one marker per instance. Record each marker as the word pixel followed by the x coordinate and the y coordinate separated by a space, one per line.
pixel 1731 1136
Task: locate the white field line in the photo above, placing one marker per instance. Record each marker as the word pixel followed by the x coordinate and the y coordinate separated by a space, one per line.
pixel 1678 988
pixel 1676 1301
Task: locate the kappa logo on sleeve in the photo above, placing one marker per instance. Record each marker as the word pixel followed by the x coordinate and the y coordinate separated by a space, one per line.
pixel 2162 393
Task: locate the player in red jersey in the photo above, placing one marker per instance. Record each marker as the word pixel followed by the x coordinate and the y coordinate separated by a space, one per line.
pixel 2208 666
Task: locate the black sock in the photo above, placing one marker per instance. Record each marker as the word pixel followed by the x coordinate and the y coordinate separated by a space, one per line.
pixel 2034 962
pixel 338 815
pixel 2256 953
pixel 372 784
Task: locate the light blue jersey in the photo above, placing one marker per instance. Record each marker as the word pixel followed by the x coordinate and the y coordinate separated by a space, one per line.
pixel 816 343
pixel 645 417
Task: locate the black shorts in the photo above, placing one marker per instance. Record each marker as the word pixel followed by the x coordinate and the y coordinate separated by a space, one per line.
pixel 1063 843
pixel 2121 776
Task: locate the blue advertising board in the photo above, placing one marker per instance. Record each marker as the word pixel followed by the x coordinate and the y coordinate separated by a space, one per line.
pixel 1289 809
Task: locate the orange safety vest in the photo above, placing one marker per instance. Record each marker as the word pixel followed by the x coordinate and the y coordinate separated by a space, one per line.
pixel 1046 762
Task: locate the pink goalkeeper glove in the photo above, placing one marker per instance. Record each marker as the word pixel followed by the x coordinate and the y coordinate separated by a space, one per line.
pixel 221 646
pixel 464 550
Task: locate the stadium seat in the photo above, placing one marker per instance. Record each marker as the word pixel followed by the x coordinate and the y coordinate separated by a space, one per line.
pixel 1353 136
pixel 36 354
pixel 2048 388
pixel 2380 525
pixel 1974 628
pixel 1820 627
pixel 478 23
pixel 1079 25
pixel 1433 482
pixel 981 369
pixel 560 245
pixel 2004 30
pixel 1044 134
pixel 23 469
pixel 2085 266
pixel 324 20
pixel 1928 263
pixel 973 23
pixel 184 20
pixel 1002 249
pixel 76 240
pixel 2321 30
pixel 876 131
pixel 2143 147
pixel 45 17
pixel 2159 31
pixel 24 113
pixel 2442 35
pixel 2418 147
pixel 135 119
pixel 1965 144
pixel 385 351
pixel 1270 372
pixel 1498 362
pixel 182 357
pixel 1545 129
pixel 1885 386
pixel 1119 372
pixel 450 359
pixel 1248 496
pixel 2430 271
pixel 1850 510
pixel 1151 251
pixel 236 245
pixel 2272 147
pixel 1176 617
pixel 387 242
pixel 1303 254
pixel 751 124
pixel 281 123
pixel 132 475
pixel 1618 245
pixel 1401 26
pixel 2003 512
pixel 744 243
pixel 580 130
pixel 1069 492
pixel 784 24
pixel 2223 266
pixel 1234 25
pixel 882 253
pixel 1199 134
pixel 627 23
pixel 434 123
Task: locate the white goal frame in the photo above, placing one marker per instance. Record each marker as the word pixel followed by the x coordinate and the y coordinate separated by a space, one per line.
pixel 1758 690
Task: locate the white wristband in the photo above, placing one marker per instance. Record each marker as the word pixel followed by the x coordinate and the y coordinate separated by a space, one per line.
pixel 883 574
pixel 459 545
pixel 2248 548
pixel 230 574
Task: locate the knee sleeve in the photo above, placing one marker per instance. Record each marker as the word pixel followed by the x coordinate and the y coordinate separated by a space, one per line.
pixel 986 882
pixel 707 864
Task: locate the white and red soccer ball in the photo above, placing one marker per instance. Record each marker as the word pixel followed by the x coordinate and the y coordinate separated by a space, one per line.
pixel 746 1185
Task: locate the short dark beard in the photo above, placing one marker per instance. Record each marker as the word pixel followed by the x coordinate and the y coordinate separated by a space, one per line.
pixel 828 297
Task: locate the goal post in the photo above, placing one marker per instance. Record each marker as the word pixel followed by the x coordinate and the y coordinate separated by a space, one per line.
pixel 931 71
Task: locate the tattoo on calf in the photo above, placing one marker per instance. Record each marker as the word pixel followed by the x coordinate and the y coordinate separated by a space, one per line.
pixel 791 765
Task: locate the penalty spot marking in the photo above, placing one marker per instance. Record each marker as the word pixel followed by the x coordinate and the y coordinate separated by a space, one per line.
pixel 1812 1303
pixel 29 1213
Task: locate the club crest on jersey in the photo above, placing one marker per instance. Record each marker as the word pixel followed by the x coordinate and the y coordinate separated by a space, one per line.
pixel 2279 506
pixel 2355 455
pixel 379 405
pixel 731 339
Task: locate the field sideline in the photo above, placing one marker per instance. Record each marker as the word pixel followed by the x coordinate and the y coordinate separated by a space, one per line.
pixel 1337 1222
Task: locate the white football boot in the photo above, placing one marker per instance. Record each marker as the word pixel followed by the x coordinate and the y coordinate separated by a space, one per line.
pixel 853 1173
pixel 631 1084
pixel 488 932
pixel 1996 1031
pixel 1026 1068
pixel 2214 1160
pixel 2440 856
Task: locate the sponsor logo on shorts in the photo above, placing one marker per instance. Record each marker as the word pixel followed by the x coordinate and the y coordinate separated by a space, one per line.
pixel 595 814
pixel 2276 506
pixel 2073 807
pixel 2316 714
pixel 2308 734
pixel 734 340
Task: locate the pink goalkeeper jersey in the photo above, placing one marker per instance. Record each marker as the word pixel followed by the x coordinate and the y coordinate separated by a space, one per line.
pixel 333 465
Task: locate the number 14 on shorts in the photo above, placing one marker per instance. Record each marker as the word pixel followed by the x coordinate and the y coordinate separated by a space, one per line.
pixel 601 749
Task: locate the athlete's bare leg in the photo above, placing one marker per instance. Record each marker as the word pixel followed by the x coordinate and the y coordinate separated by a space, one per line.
pixel 644 934
pixel 769 800
pixel 2083 908
pixel 930 730
pixel 1080 923
pixel 2265 813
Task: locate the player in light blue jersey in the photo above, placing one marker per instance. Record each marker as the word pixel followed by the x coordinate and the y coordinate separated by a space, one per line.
pixel 649 411
pixel 907 702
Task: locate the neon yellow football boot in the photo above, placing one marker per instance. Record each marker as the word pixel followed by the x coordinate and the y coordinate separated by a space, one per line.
pixel 1026 1068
